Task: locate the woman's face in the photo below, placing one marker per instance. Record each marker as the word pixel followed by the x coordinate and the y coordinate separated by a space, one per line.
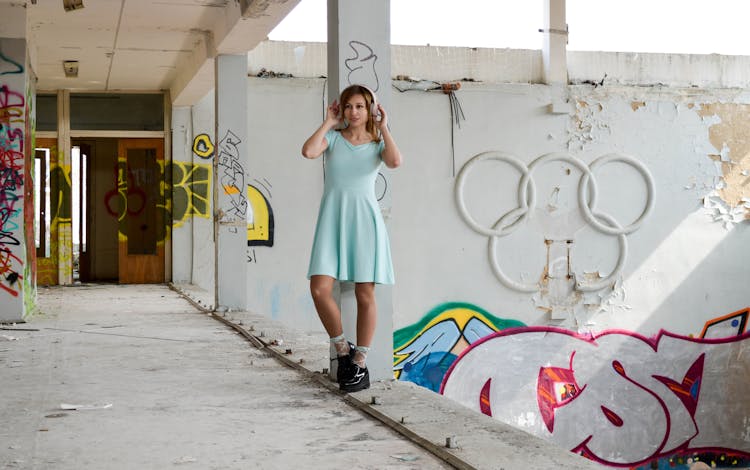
pixel 356 111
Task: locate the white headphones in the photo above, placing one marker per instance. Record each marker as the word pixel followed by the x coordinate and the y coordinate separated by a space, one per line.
pixel 374 105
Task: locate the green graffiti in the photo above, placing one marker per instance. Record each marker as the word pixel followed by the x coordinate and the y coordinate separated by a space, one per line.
pixel 405 335
pixel 424 352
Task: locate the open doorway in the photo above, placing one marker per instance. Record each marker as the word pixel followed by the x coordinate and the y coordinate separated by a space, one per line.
pixel 118 214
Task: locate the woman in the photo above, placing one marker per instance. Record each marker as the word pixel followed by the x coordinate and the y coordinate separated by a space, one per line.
pixel 351 242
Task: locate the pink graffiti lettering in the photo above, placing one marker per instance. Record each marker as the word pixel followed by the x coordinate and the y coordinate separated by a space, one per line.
pixel 617 397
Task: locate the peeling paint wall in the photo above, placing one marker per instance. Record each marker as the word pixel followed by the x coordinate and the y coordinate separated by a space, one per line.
pixel 564 263
pixel 593 213
pixel 729 133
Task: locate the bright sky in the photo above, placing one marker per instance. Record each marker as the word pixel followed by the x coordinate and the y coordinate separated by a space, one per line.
pixel 676 26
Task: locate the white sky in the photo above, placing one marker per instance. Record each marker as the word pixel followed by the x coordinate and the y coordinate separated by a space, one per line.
pixel 676 26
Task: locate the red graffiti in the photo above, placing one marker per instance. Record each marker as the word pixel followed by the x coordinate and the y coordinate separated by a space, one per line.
pixel 12 106
pixel 126 194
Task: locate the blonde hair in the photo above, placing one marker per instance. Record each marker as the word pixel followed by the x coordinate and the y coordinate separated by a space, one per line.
pixel 369 97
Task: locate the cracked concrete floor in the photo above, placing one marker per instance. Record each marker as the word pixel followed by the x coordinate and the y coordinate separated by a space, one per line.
pixel 160 385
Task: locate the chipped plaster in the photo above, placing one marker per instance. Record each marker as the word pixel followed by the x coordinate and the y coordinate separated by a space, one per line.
pixel 730 135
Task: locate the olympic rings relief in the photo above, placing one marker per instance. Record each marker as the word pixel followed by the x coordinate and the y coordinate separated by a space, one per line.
pixel 587 194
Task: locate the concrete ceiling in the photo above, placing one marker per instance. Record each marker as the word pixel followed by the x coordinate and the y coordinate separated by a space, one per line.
pixel 144 44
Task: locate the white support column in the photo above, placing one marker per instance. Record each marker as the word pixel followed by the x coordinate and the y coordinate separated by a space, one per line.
pixel 230 181
pixel 17 288
pixel 182 221
pixel 359 51
pixel 64 162
pixel 554 48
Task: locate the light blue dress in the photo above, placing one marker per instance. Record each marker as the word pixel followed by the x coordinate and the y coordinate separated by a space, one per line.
pixel 351 242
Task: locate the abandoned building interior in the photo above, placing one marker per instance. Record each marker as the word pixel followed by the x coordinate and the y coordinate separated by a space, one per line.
pixel 570 229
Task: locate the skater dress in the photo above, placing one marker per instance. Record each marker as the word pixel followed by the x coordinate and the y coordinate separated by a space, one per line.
pixel 351 242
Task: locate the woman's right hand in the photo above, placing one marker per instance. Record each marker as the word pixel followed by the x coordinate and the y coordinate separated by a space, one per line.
pixel 333 115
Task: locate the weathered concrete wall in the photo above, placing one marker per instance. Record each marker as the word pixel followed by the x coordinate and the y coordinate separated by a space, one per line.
pixel 308 59
pixel 203 154
pixel 606 225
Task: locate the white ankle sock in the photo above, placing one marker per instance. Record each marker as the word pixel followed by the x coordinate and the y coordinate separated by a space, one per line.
pixel 360 355
pixel 341 344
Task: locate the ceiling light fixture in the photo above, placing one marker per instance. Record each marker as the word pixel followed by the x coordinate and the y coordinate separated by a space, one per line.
pixel 71 5
pixel 71 68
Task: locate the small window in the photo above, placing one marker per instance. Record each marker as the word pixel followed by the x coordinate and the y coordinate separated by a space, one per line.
pixel 46 113
pixel 42 215
pixel 122 112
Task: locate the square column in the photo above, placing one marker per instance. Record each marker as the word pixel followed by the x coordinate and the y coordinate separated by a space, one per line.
pixel 359 52
pixel 555 46
pixel 230 181
pixel 182 221
pixel 17 246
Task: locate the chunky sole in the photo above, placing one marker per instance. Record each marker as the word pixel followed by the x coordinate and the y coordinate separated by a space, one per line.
pixel 361 385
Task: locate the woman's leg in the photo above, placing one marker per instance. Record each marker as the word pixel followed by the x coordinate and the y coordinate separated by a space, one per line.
pixel 321 288
pixel 367 314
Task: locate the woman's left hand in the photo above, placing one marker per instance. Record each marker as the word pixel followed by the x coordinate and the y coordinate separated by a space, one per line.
pixel 383 122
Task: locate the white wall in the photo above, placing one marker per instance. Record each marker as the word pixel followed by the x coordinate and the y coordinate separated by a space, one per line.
pixel 683 269
pixel 439 258
pixel 280 119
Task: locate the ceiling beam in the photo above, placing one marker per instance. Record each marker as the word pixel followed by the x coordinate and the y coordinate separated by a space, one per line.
pixel 239 29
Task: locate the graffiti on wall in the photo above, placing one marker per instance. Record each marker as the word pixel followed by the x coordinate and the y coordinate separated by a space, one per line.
pixel 616 397
pixel 12 125
pixel 260 224
pixel 128 198
pixel 60 216
pixel 202 146
pixel 232 180
pixel 9 66
pixel 191 191
pixel 561 288
pixel 361 66
pixel 424 351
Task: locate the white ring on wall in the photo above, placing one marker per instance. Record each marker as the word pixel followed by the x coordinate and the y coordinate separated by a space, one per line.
pixel 524 204
pixel 492 247
pixel 588 209
pixel 607 281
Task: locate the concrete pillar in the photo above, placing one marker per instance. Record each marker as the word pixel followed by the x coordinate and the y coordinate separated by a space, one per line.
pixel 64 217
pixel 182 221
pixel 359 51
pixel 230 181
pixel 554 47
pixel 17 246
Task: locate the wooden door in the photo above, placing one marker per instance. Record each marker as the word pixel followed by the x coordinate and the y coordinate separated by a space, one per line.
pixel 142 218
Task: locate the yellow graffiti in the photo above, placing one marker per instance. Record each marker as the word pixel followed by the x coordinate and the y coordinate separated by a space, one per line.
pixel 202 146
pixel 195 183
pixel 260 228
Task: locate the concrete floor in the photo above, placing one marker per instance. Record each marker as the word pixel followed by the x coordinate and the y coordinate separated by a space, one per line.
pixel 159 384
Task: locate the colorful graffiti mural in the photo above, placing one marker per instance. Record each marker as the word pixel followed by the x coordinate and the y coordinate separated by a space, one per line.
pixel 12 160
pixel 424 351
pixel 617 397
